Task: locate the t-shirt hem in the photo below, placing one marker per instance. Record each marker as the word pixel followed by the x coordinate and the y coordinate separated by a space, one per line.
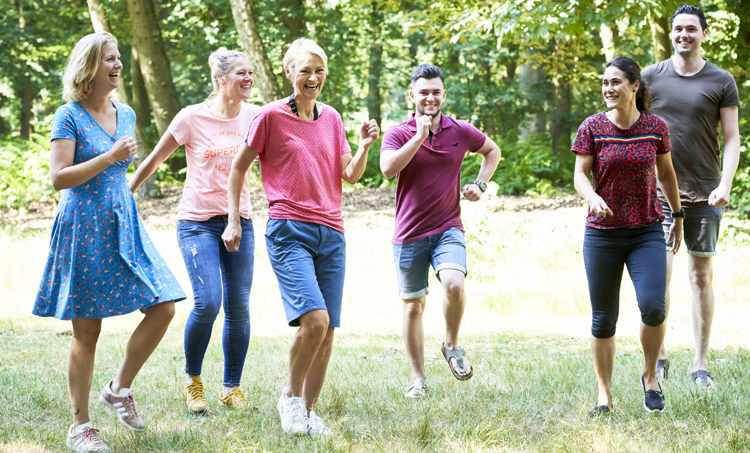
pixel 440 230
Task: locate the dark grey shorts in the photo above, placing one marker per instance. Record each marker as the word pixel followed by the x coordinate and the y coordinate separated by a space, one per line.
pixel 700 228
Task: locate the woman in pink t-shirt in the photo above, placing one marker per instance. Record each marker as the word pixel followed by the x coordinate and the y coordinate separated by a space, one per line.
pixel 304 155
pixel 213 133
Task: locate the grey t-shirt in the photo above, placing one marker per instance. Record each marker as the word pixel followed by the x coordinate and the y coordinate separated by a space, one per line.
pixel 690 106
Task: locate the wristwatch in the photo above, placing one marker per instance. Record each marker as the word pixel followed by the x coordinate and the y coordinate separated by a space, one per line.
pixel 680 214
pixel 482 186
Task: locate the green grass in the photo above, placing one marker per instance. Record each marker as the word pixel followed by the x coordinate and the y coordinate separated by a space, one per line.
pixel 525 331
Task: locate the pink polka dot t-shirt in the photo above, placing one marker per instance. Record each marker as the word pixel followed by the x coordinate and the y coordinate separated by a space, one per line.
pixel 300 162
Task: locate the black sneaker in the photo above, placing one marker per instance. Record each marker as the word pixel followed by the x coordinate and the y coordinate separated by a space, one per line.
pixel 600 411
pixel 654 399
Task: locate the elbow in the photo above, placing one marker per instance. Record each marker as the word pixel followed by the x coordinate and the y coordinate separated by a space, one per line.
pixel 56 183
pixel 387 171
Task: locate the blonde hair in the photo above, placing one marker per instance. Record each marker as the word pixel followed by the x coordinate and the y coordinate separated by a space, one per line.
pixel 83 64
pixel 219 62
pixel 304 45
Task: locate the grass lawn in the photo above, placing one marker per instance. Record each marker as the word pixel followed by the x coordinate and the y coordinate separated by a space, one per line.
pixel 526 332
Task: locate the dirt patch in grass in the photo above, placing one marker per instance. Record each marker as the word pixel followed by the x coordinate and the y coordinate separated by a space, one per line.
pixel 162 211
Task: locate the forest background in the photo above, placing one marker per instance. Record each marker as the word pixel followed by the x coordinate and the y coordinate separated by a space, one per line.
pixel 526 72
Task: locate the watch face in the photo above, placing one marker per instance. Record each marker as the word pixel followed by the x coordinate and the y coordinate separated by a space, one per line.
pixel 482 186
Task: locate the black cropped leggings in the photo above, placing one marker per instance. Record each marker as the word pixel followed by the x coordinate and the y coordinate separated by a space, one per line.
pixel 643 251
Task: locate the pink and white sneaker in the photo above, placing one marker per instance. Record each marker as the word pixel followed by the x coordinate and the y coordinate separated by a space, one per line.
pixel 123 406
pixel 84 438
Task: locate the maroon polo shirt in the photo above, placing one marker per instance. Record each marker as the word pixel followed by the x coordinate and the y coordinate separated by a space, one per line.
pixel 429 187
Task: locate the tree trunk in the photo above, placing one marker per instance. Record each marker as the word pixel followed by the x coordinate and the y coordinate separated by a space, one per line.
pixel 139 103
pixel 247 28
pixel 148 48
pixel 561 111
pixel 531 81
pixel 27 95
pixel 293 18
pixel 101 24
pixel 375 70
pixel 660 34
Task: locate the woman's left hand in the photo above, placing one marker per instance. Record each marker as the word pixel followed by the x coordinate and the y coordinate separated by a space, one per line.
pixel 369 133
pixel 675 234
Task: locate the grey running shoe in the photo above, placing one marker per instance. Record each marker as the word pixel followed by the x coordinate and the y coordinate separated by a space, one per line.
pixel 293 415
pixel 123 406
pixel 318 427
pixel 84 438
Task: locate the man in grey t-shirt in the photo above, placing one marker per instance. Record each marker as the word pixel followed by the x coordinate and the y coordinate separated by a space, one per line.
pixel 694 97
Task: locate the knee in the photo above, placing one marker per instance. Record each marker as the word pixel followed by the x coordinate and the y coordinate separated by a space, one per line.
pixel 315 325
pixel 163 311
pixel 206 310
pixel 700 278
pixel 454 290
pixel 414 308
pixel 89 336
pixel 654 315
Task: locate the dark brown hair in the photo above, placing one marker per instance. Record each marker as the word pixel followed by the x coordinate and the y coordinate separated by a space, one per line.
pixel 633 73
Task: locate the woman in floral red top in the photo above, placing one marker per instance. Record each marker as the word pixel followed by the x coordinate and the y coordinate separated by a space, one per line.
pixel 627 149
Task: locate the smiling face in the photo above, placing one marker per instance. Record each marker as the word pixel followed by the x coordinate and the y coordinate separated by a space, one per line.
pixel 238 81
pixel 617 90
pixel 110 66
pixel 308 74
pixel 687 34
pixel 428 96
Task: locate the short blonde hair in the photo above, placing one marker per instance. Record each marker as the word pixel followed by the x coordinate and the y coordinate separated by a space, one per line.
pixel 304 45
pixel 220 61
pixel 83 64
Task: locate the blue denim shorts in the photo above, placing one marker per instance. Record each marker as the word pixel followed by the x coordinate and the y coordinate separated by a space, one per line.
pixel 309 260
pixel 700 229
pixel 446 250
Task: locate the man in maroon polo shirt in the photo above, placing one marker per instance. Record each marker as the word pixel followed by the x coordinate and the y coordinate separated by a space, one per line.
pixel 426 153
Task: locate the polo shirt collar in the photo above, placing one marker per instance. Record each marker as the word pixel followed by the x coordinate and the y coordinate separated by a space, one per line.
pixel 445 122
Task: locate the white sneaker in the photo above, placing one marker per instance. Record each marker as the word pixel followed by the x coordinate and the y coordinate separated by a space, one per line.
pixel 84 438
pixel 318 427
pixel 293 415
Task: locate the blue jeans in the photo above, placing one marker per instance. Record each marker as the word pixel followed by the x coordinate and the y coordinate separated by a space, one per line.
pixel 605 253
pixel 218 277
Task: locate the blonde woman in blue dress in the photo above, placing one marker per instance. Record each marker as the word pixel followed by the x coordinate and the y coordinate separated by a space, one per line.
pixel 101 261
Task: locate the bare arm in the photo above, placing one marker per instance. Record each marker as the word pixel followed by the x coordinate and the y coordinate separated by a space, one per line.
pixel 490 153
pixel 668 183
pixel 393 161
pixel 582 183
pixel 240 164
pixel 731 131
pixel 352 168
pixel 64 174
pixel 163 150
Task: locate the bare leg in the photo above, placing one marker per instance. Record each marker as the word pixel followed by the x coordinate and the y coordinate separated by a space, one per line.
pixel 651 340
pixel 701 281
pixel 317 374
pixel 670 260
pixel 454 304
pixel 142 343
pixel 303 351
pixel 81 366
pixel 413 332
pixel 603 352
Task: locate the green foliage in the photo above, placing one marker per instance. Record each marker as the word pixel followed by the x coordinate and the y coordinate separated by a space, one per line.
pixel 25 165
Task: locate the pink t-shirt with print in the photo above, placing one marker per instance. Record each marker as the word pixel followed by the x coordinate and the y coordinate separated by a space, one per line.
pixel 300 162
pixel 210 144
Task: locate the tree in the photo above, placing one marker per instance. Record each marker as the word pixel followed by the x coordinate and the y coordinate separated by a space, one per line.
pixel 247 28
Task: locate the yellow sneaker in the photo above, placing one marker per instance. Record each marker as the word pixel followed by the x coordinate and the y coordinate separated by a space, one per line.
pixel 195 397
pixel 235 400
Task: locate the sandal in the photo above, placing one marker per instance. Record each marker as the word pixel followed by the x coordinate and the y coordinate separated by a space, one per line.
pixel 600 411
pixel 662 369
pixel 703 378
pixel 460 372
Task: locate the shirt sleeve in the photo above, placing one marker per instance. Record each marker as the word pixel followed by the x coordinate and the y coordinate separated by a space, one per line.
pixel 474 137
pixel 665 145
pixel 180 127
pixel 257 135
pixel 731 97
pixel 64 124
pixel 392 139
pixel 584 142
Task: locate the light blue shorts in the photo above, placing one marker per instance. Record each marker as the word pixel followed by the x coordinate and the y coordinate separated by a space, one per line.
pixel 310 262
pixel 446 250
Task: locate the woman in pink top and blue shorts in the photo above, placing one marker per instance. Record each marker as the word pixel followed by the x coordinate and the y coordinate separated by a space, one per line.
pixel 304 155
pixel 213 134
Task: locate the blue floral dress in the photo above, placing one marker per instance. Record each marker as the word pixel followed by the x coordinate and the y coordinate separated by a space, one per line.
pixel 101 261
